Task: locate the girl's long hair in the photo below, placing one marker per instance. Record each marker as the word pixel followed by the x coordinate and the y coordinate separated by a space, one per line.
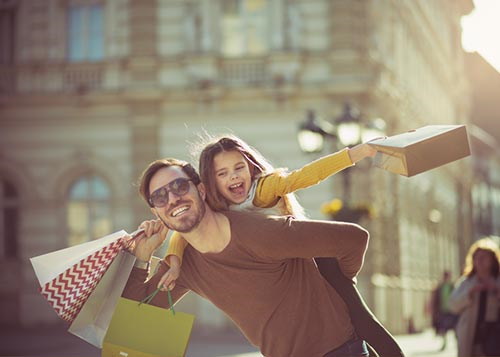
pixel 489 245
pixel 259 166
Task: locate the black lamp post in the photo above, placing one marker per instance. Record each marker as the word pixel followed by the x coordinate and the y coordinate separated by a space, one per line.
pixel 349 129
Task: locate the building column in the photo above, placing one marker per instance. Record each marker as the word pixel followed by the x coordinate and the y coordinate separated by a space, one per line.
pixel 142 64
pixel 207 41
pixel 277 24
pixel 144 141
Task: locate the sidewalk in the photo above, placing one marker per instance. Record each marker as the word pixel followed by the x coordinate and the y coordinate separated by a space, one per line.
pixel 56 341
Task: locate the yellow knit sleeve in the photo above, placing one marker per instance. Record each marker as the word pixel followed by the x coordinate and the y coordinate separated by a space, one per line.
pixel 176 246
pixel 272 187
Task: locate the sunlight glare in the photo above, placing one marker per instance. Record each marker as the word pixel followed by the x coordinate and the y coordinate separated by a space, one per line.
pixel 480 31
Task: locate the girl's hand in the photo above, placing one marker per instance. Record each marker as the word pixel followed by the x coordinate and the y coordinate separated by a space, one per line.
pixel 168 279
pixel 359 152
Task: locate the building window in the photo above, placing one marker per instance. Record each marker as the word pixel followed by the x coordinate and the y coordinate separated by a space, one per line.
pixel 193 27
pixel 9 220
pixel 89 210
pixel 245 27
pixel 7 33
pixel 85 32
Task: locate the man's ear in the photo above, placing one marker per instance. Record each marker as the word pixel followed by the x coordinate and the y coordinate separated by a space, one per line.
pixel 202 190
pixel 153 210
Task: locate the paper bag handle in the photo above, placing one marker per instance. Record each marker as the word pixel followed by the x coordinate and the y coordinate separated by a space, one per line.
pixel 150 297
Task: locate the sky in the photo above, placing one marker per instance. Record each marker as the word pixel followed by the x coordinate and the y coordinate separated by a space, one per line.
pixel 481 31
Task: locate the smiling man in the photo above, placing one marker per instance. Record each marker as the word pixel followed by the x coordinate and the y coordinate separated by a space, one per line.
pixel 257 269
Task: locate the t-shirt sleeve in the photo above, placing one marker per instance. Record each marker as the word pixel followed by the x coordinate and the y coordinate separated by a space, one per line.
pixel 277 184
pixel 176 246
pixel 285 238
pixel 139 287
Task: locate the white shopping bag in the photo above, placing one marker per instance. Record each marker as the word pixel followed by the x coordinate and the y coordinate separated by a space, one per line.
pixel 68 276
pixel 92 322
pixel 50 265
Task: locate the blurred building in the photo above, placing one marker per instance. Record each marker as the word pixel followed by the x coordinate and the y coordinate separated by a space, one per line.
pixel 93 90
pixel 485 140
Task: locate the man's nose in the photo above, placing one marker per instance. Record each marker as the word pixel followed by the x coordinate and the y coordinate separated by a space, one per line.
pixel 172 197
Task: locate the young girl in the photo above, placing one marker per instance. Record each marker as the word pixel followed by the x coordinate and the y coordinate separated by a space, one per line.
pixel 237 177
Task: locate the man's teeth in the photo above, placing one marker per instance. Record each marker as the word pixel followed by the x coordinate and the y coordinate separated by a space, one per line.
pixel 178 211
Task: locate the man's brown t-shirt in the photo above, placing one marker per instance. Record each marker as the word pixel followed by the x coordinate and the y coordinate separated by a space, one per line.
pixel 267 283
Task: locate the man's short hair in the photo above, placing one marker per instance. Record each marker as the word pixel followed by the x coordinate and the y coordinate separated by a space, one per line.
pixel 156 165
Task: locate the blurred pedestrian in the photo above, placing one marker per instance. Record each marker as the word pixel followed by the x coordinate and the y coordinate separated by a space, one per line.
pixel 476 298
pixel 443 319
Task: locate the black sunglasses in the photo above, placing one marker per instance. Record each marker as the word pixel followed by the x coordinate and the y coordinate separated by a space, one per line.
pixel 159 198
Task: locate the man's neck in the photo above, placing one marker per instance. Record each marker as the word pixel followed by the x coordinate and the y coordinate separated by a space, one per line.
pixel 212 235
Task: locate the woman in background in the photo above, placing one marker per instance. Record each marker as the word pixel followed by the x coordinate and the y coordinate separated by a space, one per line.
pixel 476 298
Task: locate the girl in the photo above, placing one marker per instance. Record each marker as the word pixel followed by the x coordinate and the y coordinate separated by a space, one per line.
pixel 237 177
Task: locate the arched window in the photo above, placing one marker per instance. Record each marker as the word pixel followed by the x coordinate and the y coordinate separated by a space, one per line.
pixel 9 220
pixel 89 209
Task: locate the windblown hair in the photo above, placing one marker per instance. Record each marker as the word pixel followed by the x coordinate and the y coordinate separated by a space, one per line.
pixel 489 245
pixel 156 165
pixel 259 166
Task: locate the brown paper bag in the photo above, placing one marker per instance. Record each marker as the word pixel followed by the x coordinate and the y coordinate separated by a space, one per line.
pixel 422 149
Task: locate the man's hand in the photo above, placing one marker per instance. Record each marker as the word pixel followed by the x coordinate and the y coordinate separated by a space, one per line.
pixel 145 244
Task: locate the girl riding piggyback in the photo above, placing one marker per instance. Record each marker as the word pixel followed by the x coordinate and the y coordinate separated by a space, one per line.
pixel 237 177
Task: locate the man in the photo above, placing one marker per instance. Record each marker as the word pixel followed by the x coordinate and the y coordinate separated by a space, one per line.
pixel 256 269
pixel 443 319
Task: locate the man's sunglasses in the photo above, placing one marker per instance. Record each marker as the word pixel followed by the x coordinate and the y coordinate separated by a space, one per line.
pixel 159 198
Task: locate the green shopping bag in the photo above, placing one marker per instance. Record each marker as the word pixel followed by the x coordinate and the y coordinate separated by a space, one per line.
pixel 143 330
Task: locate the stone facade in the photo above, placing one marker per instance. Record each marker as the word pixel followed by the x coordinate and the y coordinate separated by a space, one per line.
pixel 167 71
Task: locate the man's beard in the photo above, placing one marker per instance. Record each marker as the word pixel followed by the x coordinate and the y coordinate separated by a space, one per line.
pixel 192 221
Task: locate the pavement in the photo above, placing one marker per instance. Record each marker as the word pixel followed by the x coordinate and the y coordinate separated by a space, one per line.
pixel 56 341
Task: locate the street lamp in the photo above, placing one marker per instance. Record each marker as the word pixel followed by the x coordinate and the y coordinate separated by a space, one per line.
pixel 349 129
pixel 349 126
pixel 312 133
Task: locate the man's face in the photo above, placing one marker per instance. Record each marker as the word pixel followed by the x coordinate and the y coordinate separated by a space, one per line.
pixel 182 213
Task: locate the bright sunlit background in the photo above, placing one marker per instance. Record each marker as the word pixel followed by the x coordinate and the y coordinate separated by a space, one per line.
pixel 481 30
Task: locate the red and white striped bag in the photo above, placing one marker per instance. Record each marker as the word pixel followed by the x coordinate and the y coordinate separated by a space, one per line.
pixel 68 276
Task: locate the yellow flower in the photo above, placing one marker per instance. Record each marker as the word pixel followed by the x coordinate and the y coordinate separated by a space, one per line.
pixel 331 207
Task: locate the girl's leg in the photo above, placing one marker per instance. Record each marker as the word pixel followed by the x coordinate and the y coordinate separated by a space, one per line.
pixel 365 323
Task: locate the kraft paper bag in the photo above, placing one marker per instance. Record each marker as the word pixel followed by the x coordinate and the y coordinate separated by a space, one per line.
pixel 93 320
pixel 423 149
pixel 143 330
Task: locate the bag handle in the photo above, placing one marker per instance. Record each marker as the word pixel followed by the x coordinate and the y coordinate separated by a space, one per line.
pixel 150 297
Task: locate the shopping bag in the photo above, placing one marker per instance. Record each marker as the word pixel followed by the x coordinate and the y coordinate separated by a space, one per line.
pixel 68 276
pixel 93 320
pixel 422 149
pixel 143 330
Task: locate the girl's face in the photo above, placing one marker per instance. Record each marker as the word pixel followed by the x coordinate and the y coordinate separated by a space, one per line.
pixel 232 176
pixel 482 262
